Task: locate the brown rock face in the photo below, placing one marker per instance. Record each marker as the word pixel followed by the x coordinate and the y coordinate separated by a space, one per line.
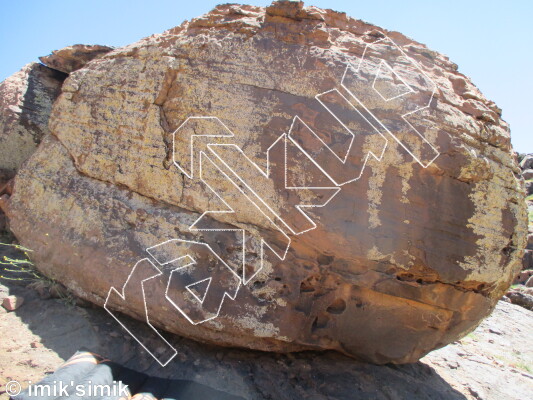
pixel 26 100
pixel 278 179
pixel 72 58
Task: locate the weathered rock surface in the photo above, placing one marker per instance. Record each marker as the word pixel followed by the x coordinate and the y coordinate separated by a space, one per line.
pixel 521 298
pixel 11 303
pixel 528 174
pixel 26 100
pixel 522 277
pixel 423 229
pixel 72 58
pixel 527 162
pixel 492 363
pixel 528 259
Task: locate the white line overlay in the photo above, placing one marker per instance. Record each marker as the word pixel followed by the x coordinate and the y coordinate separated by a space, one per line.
pixel 201 145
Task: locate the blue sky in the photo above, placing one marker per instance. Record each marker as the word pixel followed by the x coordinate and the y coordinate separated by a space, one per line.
pixel 491 41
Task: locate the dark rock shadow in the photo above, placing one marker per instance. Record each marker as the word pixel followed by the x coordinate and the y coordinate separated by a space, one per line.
pixel 65 328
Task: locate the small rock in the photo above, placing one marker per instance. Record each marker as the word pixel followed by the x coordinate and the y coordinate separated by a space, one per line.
pixel 527 174
pixel 530 242
pixel 527 162
pixel 495 331
pixel 11 303
pixel 36 345
pixel 506 299
pixel 521 299
pixel 529 187
pixel 523 277
pixel 114 334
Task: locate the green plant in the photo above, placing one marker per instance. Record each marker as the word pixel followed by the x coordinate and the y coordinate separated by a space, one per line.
pixel 20 269
pixel 68 298
pixel 523 366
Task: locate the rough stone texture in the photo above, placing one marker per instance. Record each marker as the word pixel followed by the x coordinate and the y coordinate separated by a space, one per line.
pixel 527 174
pixel 522 277
pixel 492 363
pixel 403 260
pixel 529 187
pixel 521 298
pixel 72 58
pixel 527 261
pixel 26 100
pixel 527 162
pixel 11 303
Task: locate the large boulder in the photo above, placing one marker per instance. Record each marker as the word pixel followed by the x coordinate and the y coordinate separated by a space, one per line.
pixel 172 186
pixel 26 100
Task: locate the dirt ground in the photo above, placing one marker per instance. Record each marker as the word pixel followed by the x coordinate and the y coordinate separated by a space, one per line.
pixel 493 362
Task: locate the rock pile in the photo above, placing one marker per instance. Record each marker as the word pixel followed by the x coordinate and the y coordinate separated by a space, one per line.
pixel 522 291
pixel 526 165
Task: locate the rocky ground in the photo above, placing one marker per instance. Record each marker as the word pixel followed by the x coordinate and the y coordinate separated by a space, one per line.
pixel 493 362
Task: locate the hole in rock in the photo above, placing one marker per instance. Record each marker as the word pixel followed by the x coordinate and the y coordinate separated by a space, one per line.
pixel 325 259
pixel 337 307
